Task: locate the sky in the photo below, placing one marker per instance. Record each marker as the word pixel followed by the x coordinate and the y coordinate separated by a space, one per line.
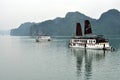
pixel 15 12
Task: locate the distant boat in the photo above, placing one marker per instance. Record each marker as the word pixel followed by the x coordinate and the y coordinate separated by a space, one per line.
pixel 43 38
pixel 88 41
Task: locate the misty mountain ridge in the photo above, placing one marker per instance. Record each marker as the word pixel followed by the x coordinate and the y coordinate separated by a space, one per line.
pixel 107 24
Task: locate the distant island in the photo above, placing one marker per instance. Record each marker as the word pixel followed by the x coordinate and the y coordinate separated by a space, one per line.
pixel 107 24
pixel 4 32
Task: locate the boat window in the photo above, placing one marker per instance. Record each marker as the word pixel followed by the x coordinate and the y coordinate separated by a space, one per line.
pixel 90 41
pixel 76 40
pixel 73 43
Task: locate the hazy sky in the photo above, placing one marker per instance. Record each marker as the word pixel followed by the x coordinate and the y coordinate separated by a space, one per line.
pixel 15 12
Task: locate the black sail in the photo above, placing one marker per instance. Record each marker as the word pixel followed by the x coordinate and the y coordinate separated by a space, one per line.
pixel 87 28
pixel 78 30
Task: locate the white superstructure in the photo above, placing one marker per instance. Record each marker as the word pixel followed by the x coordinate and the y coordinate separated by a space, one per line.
pixel 90 43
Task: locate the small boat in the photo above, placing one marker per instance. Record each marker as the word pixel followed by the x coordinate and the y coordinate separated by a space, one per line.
pixel 43 38
pixel 88 41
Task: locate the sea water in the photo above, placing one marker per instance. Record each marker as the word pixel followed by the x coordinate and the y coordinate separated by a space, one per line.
pixel 21 58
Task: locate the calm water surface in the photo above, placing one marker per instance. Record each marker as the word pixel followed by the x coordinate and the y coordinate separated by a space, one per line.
pixel 21 58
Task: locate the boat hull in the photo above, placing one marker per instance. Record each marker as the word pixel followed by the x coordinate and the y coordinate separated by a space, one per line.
pixel 43 38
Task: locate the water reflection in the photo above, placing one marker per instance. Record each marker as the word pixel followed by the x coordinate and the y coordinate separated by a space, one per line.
pixel 84 61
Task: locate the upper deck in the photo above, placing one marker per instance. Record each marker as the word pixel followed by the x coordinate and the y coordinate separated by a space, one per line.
pixel 89 39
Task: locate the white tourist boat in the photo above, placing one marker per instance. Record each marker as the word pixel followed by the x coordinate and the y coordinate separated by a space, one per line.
pixel 43 38
pixel 89 41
